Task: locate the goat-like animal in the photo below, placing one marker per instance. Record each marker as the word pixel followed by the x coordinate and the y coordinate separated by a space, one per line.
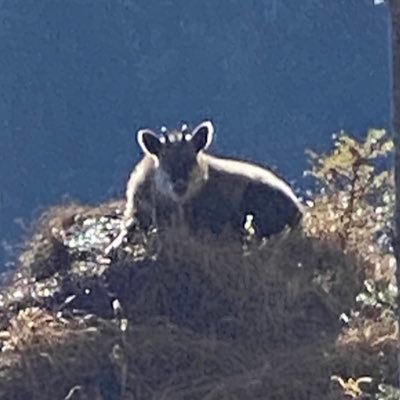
pixel 177 178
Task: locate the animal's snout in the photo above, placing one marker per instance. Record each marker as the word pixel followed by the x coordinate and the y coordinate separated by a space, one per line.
pixel 180 188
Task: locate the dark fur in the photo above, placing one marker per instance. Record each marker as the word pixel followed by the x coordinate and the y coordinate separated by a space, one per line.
pixel 177 180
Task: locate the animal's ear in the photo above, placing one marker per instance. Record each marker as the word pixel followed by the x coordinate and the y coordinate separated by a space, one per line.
pixel 202 135
pixel 149 142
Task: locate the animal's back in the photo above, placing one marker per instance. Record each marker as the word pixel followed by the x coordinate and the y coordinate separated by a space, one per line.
pixel 235 189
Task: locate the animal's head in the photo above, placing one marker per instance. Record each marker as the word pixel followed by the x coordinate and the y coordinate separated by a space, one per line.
pixel 177 155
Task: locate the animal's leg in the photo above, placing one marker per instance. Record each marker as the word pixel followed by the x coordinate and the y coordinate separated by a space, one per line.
pixel 117 241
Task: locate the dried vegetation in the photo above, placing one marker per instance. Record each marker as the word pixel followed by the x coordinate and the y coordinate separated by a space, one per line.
pixel 306 315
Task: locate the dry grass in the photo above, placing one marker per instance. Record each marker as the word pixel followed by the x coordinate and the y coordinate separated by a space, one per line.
pixel 185 317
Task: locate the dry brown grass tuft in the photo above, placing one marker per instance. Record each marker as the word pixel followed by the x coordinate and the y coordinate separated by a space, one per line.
pixel 189 317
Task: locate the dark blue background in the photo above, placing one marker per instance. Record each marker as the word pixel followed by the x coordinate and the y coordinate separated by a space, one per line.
pixel 78 77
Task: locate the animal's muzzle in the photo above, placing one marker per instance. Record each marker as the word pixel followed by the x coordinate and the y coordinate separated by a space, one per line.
pixel 180 188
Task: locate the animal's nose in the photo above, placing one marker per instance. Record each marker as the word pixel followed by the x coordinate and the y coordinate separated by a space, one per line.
pixel 180 188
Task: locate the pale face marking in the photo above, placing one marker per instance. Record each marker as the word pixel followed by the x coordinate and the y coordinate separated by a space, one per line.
pixel 164 185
